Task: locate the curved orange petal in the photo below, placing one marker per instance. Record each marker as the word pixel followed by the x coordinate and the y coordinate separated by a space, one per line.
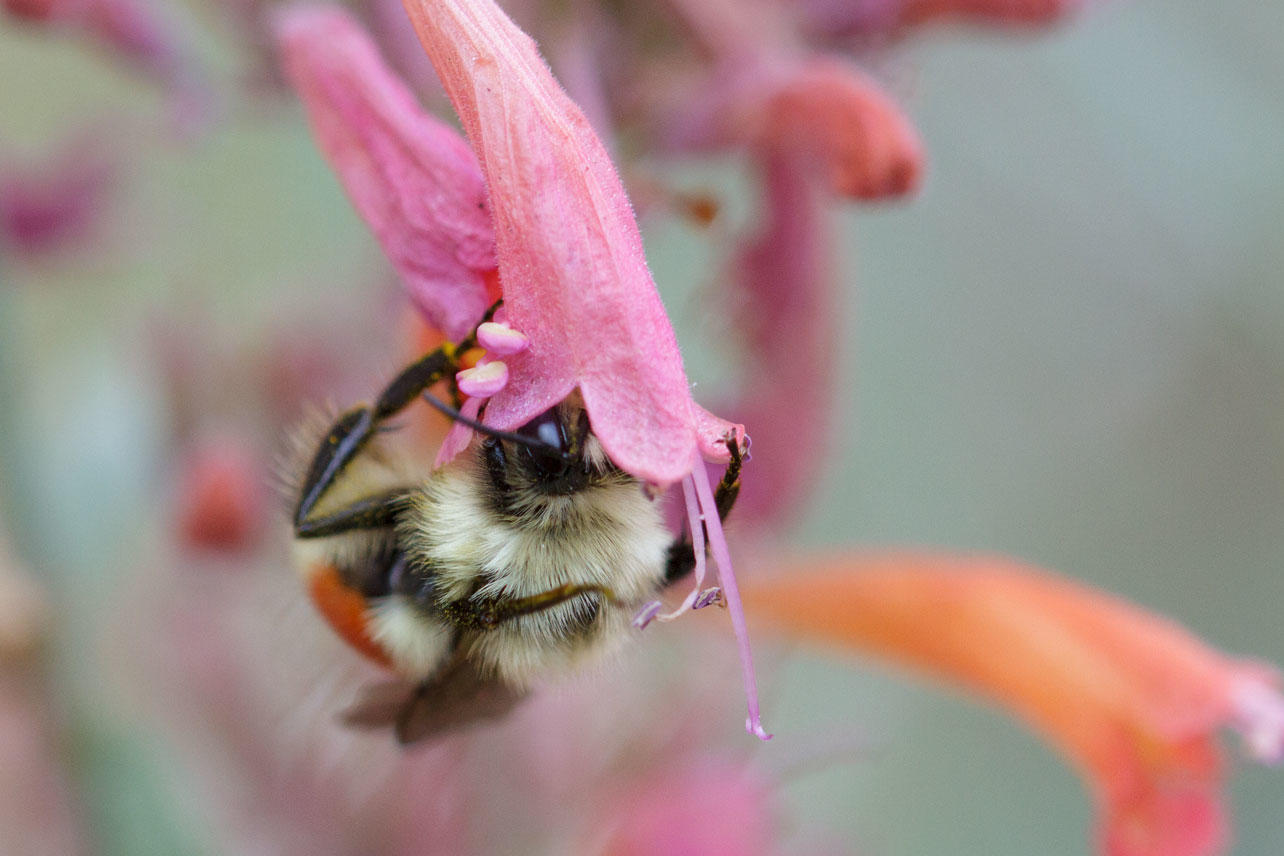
pixel 1131 698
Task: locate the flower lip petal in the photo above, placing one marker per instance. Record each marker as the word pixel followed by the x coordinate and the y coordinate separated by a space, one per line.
pixel 412 178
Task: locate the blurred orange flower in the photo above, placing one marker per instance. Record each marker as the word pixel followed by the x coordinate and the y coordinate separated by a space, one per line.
pixel 1132 699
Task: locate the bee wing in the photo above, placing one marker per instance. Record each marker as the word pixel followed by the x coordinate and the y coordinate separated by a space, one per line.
pixel 379 705
pixel 457 697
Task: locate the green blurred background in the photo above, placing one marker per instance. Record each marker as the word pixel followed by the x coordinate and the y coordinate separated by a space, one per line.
pixel 1069 347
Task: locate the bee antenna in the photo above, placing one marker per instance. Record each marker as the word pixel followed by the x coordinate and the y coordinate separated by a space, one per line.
pixel 521 439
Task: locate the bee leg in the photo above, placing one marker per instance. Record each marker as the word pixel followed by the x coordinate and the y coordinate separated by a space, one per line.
pixel 372 512
pixel 490 612
pixel 681 558
pixel 354 428
pixel 728 489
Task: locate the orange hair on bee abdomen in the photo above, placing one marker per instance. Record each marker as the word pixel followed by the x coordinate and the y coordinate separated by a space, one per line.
pixel 346 611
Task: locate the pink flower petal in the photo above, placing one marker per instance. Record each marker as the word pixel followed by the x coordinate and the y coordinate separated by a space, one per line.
pixel 713 433
pixel 412 178
pixel 707 807
pixel 459 435
pixel 1259 717
pixel 575 278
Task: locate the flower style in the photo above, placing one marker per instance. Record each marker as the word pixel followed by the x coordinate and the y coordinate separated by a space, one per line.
pixel 1132 699
pixel 566 245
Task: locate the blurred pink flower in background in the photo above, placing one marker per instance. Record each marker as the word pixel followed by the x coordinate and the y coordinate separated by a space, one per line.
pixel 866 18
pixel 58 205
pixel 669 812
pixel 222 501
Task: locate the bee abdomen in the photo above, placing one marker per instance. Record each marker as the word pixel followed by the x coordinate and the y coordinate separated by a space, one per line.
pixel 346 610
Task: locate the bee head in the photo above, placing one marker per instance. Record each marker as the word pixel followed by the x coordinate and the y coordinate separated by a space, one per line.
pixel 555 453
pixel 556 461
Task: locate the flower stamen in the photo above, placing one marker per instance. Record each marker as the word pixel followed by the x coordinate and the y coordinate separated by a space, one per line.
pixel 1259 718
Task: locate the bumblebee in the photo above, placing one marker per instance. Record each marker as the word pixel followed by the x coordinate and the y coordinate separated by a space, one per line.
pixel 528 555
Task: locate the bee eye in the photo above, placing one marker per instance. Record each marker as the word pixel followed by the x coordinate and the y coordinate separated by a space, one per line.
pixel 551 459
pixel 549 430
pixel 551 434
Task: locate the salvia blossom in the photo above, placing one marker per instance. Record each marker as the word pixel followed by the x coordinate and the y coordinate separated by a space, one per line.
pixel 1132 699
pixel 566 245
pixel 765 97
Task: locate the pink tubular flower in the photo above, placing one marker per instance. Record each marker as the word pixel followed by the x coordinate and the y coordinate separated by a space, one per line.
pixel 864 145
pixel 764 97
pixel 782 282
pixel 1032 12
pixel 569 255
pixel 1132 699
